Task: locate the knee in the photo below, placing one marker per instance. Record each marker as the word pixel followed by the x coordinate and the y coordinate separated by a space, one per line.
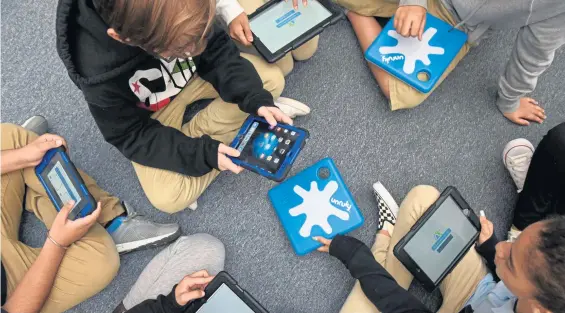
pixel 15 136
pixel 209 248
pixel 170 200
pixel 307 50
pixel 273 79
pixel 103 265
pixel 420 198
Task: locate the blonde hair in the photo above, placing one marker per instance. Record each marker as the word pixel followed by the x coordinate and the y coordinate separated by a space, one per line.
pixel 174 27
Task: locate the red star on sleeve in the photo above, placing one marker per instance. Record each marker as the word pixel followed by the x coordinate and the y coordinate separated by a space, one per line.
pixel 136 87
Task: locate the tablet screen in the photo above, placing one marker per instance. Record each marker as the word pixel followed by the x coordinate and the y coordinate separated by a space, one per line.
pixel 265 146
pixel 224 300
pixel 438 242
pixel 280 24
pixel 62 184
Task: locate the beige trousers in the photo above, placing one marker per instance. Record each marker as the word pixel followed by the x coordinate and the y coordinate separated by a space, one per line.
pixel 89 264
pixel 171 192
pixel 403 96
pixel 456 289
pixel 304 52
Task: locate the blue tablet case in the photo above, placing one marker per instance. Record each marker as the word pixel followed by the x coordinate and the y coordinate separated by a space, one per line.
pixel 406 57
pixel 309 205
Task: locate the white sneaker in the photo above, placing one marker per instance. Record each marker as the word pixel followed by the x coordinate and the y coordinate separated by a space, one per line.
pixel 193 206
pixel 387 207
pixel 517 156
pixel 291 107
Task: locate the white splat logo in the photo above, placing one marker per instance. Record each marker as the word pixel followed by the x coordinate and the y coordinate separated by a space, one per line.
pixel 317 206
pixel 411 50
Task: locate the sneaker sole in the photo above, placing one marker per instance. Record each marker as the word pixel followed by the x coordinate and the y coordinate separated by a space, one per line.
pixel 379 189
pixel 147 243
pixel 300 108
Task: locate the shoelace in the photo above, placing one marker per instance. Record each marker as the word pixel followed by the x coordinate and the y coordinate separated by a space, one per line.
pixel 519 165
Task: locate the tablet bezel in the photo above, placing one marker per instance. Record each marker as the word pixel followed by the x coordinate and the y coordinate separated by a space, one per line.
pixel 230 282
pixel 271 57
pixel 410 264
pixel 292 154
pixel 87 204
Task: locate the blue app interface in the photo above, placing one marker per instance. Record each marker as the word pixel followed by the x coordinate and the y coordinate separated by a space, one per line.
pixel 441 239
pixel 266 146
pixel 281 23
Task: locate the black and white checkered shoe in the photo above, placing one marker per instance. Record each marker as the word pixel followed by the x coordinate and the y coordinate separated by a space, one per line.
pixel 388 209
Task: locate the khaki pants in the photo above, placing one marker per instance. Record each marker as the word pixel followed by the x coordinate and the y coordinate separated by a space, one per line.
pixel 304 52
pixel 403 96
pixel 89 264
pixel 171 192
pixel 456 289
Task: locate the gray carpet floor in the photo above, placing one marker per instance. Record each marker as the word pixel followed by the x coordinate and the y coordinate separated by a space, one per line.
pixel 454 138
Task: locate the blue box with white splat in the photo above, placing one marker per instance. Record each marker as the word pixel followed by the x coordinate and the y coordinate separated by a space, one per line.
pixel 420 64
pixel 315 202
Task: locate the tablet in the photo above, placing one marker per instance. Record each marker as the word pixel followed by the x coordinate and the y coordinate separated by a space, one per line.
pixel 63 183
pixel 268 151
pixel 278 28
pixel 439 239
pixel 223 294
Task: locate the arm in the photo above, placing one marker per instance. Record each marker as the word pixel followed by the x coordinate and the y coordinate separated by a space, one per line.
pixel 377 284
pixel 12 160
pixel 34 288
pixel 488 250
pixel 148 142
pixel 235 78
pixel 228 9
pixel 532 54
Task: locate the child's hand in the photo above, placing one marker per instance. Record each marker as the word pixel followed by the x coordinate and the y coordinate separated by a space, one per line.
pixel 273 115
pixel 240 30
pixel 487 229
pixel 529 110
pixel 326 244
pixel 410 20
pixel 224 162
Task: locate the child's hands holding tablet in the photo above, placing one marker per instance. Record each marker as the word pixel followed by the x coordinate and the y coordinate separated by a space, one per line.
pixel 64 232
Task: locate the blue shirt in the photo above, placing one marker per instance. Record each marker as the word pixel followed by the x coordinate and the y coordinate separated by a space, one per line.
pixel 492 297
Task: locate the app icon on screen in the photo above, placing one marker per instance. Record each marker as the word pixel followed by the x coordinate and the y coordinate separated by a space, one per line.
pixel 287 142
pixel 276 160
pixel 282 151
pixel 269 158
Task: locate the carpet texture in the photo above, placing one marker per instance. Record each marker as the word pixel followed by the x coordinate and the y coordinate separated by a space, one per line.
pixel 455 138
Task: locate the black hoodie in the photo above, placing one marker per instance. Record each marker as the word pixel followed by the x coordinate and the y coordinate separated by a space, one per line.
pixel 124 85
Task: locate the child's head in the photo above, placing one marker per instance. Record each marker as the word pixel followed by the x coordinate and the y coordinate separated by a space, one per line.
pixel 533 267
pixel 168 28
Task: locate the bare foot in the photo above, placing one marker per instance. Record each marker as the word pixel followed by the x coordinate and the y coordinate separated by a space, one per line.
pixel 529 110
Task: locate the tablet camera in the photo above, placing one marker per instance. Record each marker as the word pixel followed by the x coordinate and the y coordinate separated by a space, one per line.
pixel 323 173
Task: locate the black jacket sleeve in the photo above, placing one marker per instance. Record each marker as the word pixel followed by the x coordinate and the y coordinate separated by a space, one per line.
pixel 234 77
pixel 163 304
pixel 376 282
pixel 488 250
pixel 144 140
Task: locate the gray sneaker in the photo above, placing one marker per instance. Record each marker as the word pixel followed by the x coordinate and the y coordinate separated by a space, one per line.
pixel 134 232
pixel 37 124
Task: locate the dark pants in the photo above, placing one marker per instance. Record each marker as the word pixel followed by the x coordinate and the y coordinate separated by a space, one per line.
pixel 544 190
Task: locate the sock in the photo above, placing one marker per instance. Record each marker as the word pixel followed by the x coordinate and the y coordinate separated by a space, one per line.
pixel 112 225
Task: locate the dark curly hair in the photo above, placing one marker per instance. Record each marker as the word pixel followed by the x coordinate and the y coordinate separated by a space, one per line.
pixel 548 275
pixel 157 26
